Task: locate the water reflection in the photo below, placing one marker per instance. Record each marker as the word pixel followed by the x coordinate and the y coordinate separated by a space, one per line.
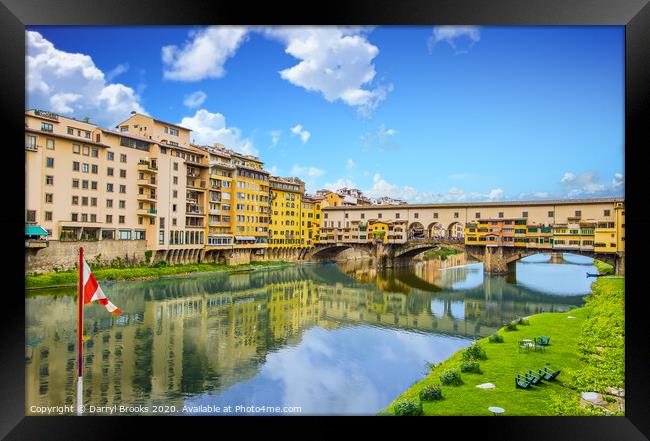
pixel 328 338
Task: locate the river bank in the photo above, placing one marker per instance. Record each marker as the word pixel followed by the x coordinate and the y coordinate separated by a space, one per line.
pixel 587 346
pixel 70 278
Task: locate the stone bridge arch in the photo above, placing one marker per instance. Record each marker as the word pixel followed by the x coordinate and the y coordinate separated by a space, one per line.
pixel 456 230
pixel 435 229
pixel 415 231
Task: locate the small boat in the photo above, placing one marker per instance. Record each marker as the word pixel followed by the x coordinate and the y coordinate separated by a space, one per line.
pixel 593 275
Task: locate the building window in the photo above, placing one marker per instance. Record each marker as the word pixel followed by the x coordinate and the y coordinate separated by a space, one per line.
pixel 49 144
pixel 174 208
pixel 75 200
pixel 84 200
pixel 122 157
pixel 607 213
pixel 524 214
pixel 94 153
pixel 121 219
pixel 84 184
pixel 122 188
pixel 84 168
pixel 175 180
pixel 94 168
pixel 175 193
pixel 49 198
pixel 74 217
pixel 109 218
pixel 363 215
pixel 48 215
pixel 75 183
pixel 85 150
pixel 122 204
pixel 76 148
pixel 124 128
pixel 93 202
pixel 551 213
pixel 109 187
pixel 175 166
pixel 110 156
pixel 30 142
pixel 109 203
pixel 396 215
pixel 30 216
pixel 139 235
pixel 93 218
pixel 75 166
pixel 70 131
pixel 46 127
pixel 93 185
pixel 578 213
pixel 84 217
pixel 49 180
pixel 456 215
pixel 379 216
pixel 122 173
pixel 125 234
pixel 500 214
pixel 417 215
pixel 478 215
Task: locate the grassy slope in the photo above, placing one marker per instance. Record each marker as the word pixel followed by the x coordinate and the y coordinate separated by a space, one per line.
pixel 572 340
pixel 69 278
pixel 603 268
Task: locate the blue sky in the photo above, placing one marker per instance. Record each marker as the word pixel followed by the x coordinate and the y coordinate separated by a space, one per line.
pixel 427 114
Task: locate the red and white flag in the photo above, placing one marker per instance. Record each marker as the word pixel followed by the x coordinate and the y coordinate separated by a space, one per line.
pixel 92 292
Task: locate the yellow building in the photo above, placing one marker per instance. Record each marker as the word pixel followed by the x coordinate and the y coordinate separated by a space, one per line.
pixel 310 220
pixel 287 208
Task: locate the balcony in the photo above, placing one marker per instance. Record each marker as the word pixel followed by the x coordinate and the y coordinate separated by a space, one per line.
pixel 146 166
pixel 151 183
pixel 215 212
pixel 191 183
pixel 31 148
pixel 149 212
pixel 193 174
pixel 194 213
pixel 147 197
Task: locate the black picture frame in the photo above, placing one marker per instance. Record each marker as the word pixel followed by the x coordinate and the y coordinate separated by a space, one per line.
pixel 633 14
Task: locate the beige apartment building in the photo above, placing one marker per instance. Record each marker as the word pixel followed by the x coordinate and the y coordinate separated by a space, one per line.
pixel 138 188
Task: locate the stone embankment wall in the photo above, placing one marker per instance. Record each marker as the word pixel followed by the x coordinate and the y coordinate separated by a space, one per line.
pixel 65 255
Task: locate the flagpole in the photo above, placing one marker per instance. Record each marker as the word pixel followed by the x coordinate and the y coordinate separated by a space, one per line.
pixel 80 334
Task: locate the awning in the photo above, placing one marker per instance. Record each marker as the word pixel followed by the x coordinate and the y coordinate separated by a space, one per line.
pixel 244 238
pixel 35 230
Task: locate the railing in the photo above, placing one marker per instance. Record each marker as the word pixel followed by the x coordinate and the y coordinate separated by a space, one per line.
pixel 31 148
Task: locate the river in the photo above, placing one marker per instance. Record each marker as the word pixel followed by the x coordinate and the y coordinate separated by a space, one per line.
pixel 304 339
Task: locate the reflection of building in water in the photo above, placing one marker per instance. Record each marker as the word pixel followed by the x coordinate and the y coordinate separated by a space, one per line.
pixel 205 333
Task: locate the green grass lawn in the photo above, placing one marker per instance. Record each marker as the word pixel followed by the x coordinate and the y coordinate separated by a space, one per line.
pixel 603 268
pixel 571 350
pixel 70 278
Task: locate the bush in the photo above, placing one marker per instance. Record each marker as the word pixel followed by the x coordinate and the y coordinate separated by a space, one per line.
pixel 147 256
pixel 511 327
pixel 431 393
pixel 522 321
pixel 471 366
pixel 408 408
pixel 160 264
pixel 474 352
pixel 451 377
pixel 495 338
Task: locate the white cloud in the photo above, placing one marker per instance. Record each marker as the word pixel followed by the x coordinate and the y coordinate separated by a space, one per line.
pixel 335 61
pixel 204 55
pixel 340 183
pixel 70 83
pixel 117 70
pixel 588 184
pixel 300 131
pixel 381 187
pixel 460 38
pixel 210 128
pixel 349 164
pixel 275 137
pixel 311 172
pixel 195 99
pixel 382 138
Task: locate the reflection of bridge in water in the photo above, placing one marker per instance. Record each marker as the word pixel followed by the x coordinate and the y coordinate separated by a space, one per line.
pixel 207 332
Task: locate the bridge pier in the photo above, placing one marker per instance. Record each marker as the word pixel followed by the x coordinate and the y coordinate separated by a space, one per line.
pixel 557 257
pixel 620 264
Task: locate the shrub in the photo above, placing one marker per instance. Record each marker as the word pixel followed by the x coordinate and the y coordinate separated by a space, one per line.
pixel 511 327
pixel 451 377
pixel 495 338
pixel 431 393
pixel 522 321
pixel 160 264
pixel 474 352
pixel 408 408
pixel 471 366
pixel 147 255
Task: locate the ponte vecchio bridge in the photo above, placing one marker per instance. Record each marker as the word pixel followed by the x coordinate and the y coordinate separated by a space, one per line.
pixel 496 233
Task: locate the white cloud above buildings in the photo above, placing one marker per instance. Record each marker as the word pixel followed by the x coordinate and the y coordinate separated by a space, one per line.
pixel 301 132
pixel 195 99
pixel 588 184
pixel 71 84
pixel 204 54
pixel 275 137
pixel 459 38
pixel 336 62
pixel 209 128
pixel 308 171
